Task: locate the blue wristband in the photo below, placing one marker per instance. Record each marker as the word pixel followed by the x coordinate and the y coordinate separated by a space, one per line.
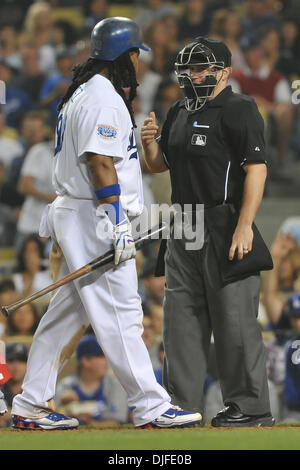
pixel 115 212
pixel 107 191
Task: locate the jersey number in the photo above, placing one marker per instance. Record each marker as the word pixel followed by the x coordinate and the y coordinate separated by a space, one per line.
pixel 60 132
pixel 132 146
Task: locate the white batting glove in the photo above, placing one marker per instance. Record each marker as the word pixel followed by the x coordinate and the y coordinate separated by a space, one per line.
pixel 3 406
pixel 123 242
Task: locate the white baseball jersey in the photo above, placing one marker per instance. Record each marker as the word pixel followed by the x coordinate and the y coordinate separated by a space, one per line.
pixel 96 119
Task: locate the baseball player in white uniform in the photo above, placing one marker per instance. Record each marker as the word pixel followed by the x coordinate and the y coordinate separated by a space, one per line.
pixel 96 168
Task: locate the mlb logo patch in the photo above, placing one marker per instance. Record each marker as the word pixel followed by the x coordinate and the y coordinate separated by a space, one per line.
pixel 106 131
pixel 198 139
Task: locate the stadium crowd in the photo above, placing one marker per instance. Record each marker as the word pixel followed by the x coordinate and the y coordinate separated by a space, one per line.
pixel 40 41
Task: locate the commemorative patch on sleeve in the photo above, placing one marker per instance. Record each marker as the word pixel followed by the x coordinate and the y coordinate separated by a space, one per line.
pixel 105 131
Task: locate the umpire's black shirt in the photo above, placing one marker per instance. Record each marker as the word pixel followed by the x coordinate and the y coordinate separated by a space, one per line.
pixel 205 150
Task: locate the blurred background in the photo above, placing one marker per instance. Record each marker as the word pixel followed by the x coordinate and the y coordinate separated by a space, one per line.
pixel 40 42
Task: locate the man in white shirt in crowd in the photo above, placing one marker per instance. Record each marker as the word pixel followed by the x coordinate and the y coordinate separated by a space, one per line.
pixel 36 184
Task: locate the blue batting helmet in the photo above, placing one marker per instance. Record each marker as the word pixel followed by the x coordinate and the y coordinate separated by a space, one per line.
pixel 112 37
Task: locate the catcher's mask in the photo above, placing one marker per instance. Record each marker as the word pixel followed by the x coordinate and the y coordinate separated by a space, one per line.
pixel 200 55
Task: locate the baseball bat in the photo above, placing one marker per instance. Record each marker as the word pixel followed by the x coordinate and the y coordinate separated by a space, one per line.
pixel 152 234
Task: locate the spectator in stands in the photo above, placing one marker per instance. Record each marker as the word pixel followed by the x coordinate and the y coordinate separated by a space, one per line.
pixel 291 388
pixel 33 130
pixel 10 206
pixel 151 287
pixel 153 11
pixel 17 101
pixel 82 51
pixel 274 58
pixel 216 30
pixel 36 185
pixel 193 22
pixel 290 57
pixel 56 85
pixel 95 11
pixel 16 358
pixel 232 31
pixel 8 295
pixel 9 148
pixel 275 345
pixel 148 82
pixel 156 38
pixel 64 35
pixel 279 283
pixel 271 92
pixel 167 93
pixel 19 10
pixel 145 95
pixel 291 226
pixel 156 312
pixel 8 46
pixel 23 321
pixel 150 341
pixel 31 78
pixel 31 273
pixel 92 394
pixel 38 28
pixel 171 24
pixel 258 15
pixel 290 40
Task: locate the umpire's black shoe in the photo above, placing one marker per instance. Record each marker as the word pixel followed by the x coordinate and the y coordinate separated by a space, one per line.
pixel 232 417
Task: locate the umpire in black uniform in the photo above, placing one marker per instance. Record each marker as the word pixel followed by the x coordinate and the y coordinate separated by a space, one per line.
pixel 212 142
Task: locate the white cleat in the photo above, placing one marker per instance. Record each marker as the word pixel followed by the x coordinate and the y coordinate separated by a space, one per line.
pixel 175 417
pixel 48 422
pixel 3 406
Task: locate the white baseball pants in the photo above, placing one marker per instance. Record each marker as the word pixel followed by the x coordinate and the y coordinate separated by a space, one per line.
pixel 108 300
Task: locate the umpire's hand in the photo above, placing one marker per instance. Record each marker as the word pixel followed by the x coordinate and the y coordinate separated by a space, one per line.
pixel 241 241
pixel 149 130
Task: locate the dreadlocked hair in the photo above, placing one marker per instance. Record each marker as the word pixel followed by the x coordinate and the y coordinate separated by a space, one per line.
pixel 121 73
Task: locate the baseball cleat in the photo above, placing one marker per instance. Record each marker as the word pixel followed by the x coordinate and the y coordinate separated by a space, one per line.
pixel 49 422
pixel 232 417
pixel 174 417
pixel 3 406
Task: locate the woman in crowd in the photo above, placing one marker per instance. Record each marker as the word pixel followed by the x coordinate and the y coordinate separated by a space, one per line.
pixel 31 274
pixel 23 321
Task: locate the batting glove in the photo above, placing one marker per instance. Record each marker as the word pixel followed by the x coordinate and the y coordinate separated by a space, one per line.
pixel 3 406
pixel 123 242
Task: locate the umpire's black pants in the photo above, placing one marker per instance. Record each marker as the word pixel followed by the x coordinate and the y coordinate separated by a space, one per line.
pixel 197 305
